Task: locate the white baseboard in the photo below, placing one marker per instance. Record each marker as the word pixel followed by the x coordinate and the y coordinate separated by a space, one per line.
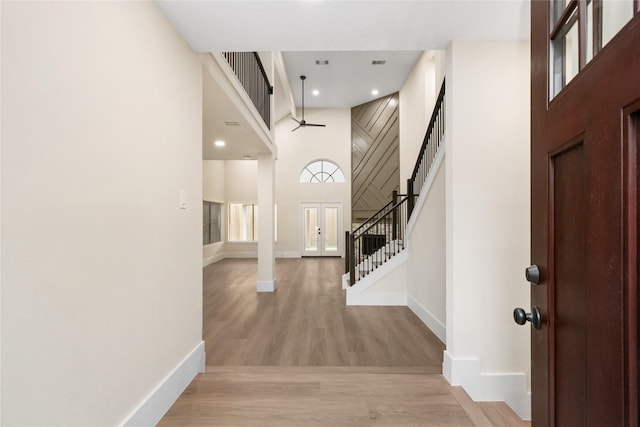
pixel 212 259
pixel 485 386
pixel 266 285
pixel 158 402
pixel 428 319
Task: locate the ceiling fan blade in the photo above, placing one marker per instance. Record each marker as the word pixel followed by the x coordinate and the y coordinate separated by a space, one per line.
pixel 313 124
pixel 297 128
pixel 295 120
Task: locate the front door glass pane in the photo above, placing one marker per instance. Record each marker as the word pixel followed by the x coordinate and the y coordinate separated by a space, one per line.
pixel 565 59
pixel 557 8
pixel 591 39
pixel 311 229
pixel 331 229
pixel 615 14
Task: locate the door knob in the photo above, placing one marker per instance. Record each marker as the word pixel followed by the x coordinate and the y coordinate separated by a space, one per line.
pixel 521 317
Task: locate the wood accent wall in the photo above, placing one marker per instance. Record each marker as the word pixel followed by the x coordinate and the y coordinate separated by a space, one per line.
pixel 375 157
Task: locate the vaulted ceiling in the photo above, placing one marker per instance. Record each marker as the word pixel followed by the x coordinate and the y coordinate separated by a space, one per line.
pixel 350 34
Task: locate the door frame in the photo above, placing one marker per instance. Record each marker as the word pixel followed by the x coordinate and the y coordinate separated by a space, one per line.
pixel 321 206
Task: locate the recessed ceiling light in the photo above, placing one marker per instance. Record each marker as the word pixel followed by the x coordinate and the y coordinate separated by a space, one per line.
pixel 315 92
pixel 374 92
pixel 322 62
pixel 219 143
pixel 378 62
pixel 392 102
pixel 246 157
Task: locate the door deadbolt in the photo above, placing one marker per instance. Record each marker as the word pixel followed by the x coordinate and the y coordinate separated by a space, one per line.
pixel 532 273
pixel 521 317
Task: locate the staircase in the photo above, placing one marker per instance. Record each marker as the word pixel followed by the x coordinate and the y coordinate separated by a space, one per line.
pixel 375 242
pixel 378 258
pixel 382 237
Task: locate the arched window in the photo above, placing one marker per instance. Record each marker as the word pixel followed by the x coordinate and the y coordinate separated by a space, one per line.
pixel 321 171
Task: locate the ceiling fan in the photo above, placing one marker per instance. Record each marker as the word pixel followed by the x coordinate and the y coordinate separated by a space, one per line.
pixel 302 123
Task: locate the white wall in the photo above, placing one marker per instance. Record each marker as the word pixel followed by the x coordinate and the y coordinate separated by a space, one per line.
pixel 295 151
pixel 487 204
pixel 101 270
pixel 426 264
pixel 384 286
pixel 1 235
pixel 213 190
pixel 417 98
pixel 241 180
pixel 213 181
pixel 241 185
pixel 426 234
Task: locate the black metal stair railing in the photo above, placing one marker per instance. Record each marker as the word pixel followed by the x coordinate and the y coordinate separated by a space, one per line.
pixel 430 145
pixel 383 235
pixel 377 240
pixel 250 72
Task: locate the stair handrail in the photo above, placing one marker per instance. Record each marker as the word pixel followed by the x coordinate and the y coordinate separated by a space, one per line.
pixel 388 228
pixel 404 199
pixel 429 149
pixel 372 217
pixel 394 199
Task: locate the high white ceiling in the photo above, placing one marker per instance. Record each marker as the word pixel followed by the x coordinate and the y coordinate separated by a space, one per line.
pixel 349 77
pixel 348 33
pixel 315 25
pixel 344 30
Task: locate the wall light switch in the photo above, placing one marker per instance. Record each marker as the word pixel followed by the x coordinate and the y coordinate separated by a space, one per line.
pixel 183 199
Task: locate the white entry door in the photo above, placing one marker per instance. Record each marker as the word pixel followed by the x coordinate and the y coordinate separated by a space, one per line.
pixel 321 229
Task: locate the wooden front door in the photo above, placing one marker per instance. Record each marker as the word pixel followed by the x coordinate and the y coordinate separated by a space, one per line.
pixel 585 126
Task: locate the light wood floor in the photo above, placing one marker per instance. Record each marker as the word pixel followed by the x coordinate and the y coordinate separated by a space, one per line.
pixel 300 357
pixel 305 322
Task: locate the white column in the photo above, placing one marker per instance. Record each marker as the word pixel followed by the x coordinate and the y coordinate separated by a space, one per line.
pixel 266 223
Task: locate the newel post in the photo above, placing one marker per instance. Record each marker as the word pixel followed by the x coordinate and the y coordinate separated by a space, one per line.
pixel 394 214
pixel 352 261
pixel 347 251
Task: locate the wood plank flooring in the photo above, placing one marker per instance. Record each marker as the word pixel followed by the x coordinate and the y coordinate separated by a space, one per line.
pixel 325 396
pixel 300 357
pixel 305 322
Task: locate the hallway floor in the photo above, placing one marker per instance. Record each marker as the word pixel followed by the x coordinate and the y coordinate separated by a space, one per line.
pixel 300 357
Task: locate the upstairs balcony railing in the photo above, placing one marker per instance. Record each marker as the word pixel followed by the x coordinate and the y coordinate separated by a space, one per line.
pixel 250 72
pixel 430 145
